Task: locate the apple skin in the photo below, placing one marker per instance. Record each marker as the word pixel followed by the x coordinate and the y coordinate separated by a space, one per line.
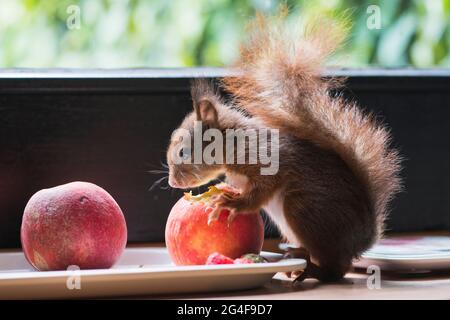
pixel 190 240
pixel 77 223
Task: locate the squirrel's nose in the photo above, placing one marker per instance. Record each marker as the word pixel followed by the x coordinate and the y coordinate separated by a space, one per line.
pixel 173 183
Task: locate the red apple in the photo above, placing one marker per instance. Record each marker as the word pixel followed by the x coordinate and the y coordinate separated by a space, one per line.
pixel 78 224
pixel 190 240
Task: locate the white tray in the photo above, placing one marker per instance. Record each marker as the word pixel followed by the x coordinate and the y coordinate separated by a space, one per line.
pixel 140 271
pixel 409 254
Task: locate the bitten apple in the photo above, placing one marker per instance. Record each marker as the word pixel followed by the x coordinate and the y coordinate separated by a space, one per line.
pixel 190 239
pixel 78 224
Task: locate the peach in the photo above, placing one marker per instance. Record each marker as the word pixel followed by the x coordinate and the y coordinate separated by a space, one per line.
pixel 77 224
pixel 190 239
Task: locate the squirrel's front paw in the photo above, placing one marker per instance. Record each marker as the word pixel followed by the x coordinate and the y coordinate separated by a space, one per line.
pixel 215 213
pixel 224 201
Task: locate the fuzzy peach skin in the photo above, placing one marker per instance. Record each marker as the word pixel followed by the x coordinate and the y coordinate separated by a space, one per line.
pixel 190 240
pixel 77 223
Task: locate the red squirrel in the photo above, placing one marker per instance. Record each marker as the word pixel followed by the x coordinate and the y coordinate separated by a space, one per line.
pixel 336 170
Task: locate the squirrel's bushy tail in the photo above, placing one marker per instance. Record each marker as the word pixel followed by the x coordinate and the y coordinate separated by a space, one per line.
pixel 280 64
pixel 279 81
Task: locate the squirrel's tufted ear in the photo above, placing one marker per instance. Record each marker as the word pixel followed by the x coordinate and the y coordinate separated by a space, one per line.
pixel 206 112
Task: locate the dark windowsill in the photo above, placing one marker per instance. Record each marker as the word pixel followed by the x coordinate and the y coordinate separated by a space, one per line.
pixel 163 80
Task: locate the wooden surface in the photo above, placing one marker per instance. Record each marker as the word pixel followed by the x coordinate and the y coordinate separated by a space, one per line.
pixel 354 286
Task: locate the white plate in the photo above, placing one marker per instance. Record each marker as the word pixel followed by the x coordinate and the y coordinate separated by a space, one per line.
pixel 140 271
pixel 409 254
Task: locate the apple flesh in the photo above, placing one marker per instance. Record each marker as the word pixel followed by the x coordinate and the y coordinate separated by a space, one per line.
pixel 190 239
pixel 76 224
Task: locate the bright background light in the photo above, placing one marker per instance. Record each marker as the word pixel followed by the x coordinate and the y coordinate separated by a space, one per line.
pixel 180 33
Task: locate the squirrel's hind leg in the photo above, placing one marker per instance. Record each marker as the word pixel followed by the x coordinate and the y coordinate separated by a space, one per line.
pixel 312 270
pixel 296 253
pixel 327 261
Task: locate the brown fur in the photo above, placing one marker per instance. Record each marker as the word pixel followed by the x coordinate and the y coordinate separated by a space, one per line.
pixel 280 83
pixel 336 173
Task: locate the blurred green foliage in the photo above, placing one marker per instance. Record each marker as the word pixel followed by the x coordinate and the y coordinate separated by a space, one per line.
pixel 178 33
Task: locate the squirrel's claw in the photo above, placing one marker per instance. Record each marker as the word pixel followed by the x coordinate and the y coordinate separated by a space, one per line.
pixel 233 213
pixel 214 214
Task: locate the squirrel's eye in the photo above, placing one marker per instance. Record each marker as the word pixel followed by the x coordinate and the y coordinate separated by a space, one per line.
pixel 185 153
